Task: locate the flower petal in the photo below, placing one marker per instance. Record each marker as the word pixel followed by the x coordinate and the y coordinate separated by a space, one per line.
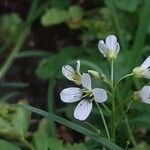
pixel 86 81
pixel 100 95
pixel 146 63
pixel 78 66
pixel 83 110
pixel 145 94
pixel 102 48
pixel 111 42
pixel 70 95
pixel 147 73
pixel 68 72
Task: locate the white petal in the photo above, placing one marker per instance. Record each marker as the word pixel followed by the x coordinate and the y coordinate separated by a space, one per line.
pixel 102 48
pixel 147 101
pixel 111 42
pixel 117 49
pixel 145 93
pixel 83 110
pixel 100 95
pixel 78 66
pixel 86 81
pixel 146 63
pixel 68 72
pixel 70 95
pixel 147 73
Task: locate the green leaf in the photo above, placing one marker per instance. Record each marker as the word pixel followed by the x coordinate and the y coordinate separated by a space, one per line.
pixel 21 120
pixel 141 146
pixel 75 127
pixel 54 16
pixel 76 146
pixel 40 137
pixel 127 5
pixel 9 25
pixel 76 12
pixel 60 4
pixel 14 121
pixel 50 67
pixel 4 145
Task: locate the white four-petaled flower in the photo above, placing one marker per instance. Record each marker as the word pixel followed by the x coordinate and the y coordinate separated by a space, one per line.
pixel 71 74
pixel 143 70
pixel 86 95
pixel 110 48
pixel 144 94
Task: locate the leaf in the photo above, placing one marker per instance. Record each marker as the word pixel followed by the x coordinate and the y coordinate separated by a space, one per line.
pixel 127 5
pixel 141 146
pixel 4 145
pixel 76 12
pixel 50 67
pixel 54 16
pixel 9 25
pixel 14 121
pixel 40 137
pixel 21 120
pixel 60 4
pixel 76 146
pixel 75 127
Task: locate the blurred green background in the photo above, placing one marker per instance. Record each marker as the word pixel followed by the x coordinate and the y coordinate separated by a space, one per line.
pixel 38 37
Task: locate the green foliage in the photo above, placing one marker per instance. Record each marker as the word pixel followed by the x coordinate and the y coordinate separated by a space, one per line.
pixel 54 16
pixel 141 146
pixel 127 5
pixel 9 24
pixel 43 141
pixel 49 68
pixel 4 145
pixel 14 121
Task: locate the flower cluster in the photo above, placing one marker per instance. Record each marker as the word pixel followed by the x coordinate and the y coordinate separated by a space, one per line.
pixel 86 94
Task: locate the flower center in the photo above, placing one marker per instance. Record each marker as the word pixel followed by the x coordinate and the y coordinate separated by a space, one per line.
pixel 87 94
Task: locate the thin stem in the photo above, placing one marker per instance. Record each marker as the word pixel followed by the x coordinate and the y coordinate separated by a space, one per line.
pixel 27 144
pixel 93 127
pixel 126 76
pixel 129 130
pixel 112 72
pixel 50 102
pixel 22 36
pixel 107 109
pixel 104 121
pixel 113 103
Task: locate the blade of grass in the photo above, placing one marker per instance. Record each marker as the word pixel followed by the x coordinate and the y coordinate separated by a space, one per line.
pixel 50 103
pixel 117 22
pixel 73 126
pixel 140 34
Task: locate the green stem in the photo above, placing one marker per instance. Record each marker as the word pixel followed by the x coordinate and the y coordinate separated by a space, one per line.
pixel 93 127
pixel 13 54
pixel 113 103
pixel 129 130
pixel 50 103
pixel 22 36
pixel 27 144
pixel 126 76
pixel 104 121
pixel 140 34
pixel 112 72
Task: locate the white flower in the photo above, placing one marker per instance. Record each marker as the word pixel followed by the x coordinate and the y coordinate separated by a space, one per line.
pixel 143 70
pixel 71 74
pixel 144 94
pixel 86 95
pixel 110 48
